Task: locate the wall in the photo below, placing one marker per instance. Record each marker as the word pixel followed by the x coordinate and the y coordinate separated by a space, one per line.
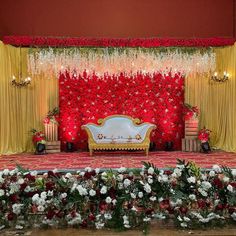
pixel 118 18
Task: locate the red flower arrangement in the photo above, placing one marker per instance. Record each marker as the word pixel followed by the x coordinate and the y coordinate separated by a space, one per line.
pixel 52 116
pixel 119 42
pixel 204 135
pixel 38 137
pixel 190 111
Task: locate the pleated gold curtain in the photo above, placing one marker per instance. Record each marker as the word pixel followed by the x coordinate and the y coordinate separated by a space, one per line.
pixel 21 109
pixel 217 101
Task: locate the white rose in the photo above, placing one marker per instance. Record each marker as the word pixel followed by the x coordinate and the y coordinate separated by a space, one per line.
pixel 2 192
pixel 50 193
pixel 177 172
pixel 127 182
pixel 33 173
pixel 5 171
pixel 92 192
pixel 234 172
pixel 108 200
pixel 216 168
pixel 103 190
pixel 82 191
pixel 20 181
pixel 114 201
pixel 191 179
pixel 97 170
pixel 206 185
pixel 68 175
pixel 140 194
pixel 184 225
pixel 88 169
pixel 121 169
pixel 150 180
pixel 147 188
pixel 230 188
pixel 63 195
pixel 40 208
pixel 151 170
pixel 133 195
pixel 212 173
pixel 153 199
pixel 16 208
pixel 192 197
pixel 35 198
pixel 107 216
pixel 226 179
pixel 43 195
pixel 120 177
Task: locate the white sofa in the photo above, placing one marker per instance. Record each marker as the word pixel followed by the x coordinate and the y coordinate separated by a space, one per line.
pixel 119 132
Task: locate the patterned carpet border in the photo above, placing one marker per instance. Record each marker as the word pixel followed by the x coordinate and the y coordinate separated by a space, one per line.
pixel 79 160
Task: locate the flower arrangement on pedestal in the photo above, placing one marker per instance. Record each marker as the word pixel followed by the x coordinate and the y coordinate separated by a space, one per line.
pixel 119 199
pixel 190 112
pixel 204 136
pixel 52 116
pixel 39 141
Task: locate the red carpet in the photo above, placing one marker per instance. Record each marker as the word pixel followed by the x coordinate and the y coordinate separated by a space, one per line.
pixel 113 160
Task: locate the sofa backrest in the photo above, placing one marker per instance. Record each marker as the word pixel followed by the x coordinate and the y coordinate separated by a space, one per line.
pixel 119 129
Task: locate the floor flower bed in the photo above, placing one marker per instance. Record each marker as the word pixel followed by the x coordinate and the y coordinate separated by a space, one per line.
pixel 119 199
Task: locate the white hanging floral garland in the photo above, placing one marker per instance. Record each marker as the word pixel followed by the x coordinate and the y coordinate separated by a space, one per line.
pixel 50 62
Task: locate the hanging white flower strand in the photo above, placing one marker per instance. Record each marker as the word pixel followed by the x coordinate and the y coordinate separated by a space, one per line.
pixel 130 61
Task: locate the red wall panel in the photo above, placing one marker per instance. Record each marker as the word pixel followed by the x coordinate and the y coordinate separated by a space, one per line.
pixel 118 18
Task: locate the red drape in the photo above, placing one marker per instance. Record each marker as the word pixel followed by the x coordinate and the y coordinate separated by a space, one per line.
pixel 153 98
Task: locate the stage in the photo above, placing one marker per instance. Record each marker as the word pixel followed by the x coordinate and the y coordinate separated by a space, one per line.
pixel 79 160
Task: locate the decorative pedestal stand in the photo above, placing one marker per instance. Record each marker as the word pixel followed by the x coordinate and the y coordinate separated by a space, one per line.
pixel 51 133
pixel 190 142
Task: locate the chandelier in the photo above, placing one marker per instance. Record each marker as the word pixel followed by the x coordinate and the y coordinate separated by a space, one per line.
pixel 220 78
pixel 20 81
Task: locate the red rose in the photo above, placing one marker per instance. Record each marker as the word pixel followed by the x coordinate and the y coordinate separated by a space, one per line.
pixel 183 210
pixel 10 216
pixel 50 214
pixel 91 217
pixel 84 223
pixel 50 186
pixel 201 203
pixel 13 198
pixel 30 177
pixel 218 183
pixel 23 186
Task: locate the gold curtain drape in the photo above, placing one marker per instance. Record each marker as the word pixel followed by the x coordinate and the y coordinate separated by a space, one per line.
pixel 21 109
pixel 217 101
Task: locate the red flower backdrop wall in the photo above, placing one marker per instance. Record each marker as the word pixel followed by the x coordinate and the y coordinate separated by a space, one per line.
pixel 153 98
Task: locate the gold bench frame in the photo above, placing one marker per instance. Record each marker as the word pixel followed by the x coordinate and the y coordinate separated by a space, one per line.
pixel 144 145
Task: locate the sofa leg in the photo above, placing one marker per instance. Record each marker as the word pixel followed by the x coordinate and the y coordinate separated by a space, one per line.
pixel 90 152
pixel 146 151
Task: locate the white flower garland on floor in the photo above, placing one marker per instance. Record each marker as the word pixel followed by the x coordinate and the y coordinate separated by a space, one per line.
pixel 51 62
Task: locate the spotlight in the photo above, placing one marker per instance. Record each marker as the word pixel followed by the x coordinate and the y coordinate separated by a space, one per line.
pixel 69 147
pixel 206 147
pixel 169 146
pixel 40 149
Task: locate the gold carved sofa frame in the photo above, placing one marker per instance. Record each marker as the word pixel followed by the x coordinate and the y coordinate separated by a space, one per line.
pixel 98 141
